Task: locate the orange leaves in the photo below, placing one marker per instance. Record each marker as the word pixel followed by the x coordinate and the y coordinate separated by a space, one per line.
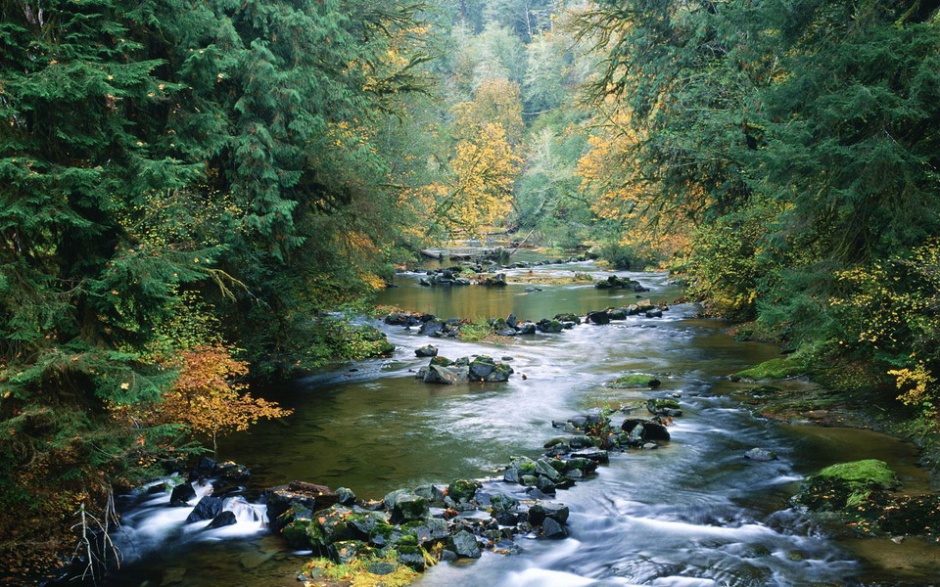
pixel 208 397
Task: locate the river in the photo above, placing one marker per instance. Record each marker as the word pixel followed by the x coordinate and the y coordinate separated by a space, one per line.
pixel 693 513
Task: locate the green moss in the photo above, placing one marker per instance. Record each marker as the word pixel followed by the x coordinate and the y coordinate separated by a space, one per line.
pixel 463 489
pixel 846 486
pixel 865 473
pixel 775 369
pixel 359 572
pixel 634 381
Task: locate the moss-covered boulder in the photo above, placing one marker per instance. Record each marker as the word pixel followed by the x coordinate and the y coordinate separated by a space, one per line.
pixel 334 523
pixel 845 485
pixel 375 341
pixel 634 381
pixel 405 506
pixel 487 369
pixel 463 490
pixel 781 368
pixel 664 407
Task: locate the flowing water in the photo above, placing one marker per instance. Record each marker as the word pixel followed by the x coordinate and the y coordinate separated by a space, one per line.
pixel 693 513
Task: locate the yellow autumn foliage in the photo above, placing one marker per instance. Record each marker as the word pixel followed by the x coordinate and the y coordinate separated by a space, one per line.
pixel 483 171
pixel 208 398
pixel 612 183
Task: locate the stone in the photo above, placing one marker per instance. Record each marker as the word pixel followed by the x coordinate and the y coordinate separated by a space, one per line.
pixel 595 454
pixel 553 530
pixel 550 326
pixel 432 328
pixel 644 430
pixel 599 317
pixel 182 494
pixel 346 496
pixel 760 455
pixel 406 506
pixel 226 518
pixel 464 545
pixel 206 509
pixel 463 490
pixel 445 375
pixel 427 350
pixel 527 328
pixel 364 522
pixel 541 510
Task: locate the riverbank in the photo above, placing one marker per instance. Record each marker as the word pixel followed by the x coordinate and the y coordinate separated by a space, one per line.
pixel 891 528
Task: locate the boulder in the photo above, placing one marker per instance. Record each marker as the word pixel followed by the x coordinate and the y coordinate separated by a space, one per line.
pixel 572 318
pixel 641 431
pixel 542 510
pixel 306 496
pixel 432 328
pixel 598 317
pixel 486 369
pixel 498 280
pixel 226 518
pixel 204 468
pixel 405 506
pixel 663 407
pixel 426 351
pixel 553 530
pixel 760 455
pixel 182 494
pixel 464 545
pixel 845 485
pixel 463 490
pixel 595 454
pixel 549 326
pixel 445 375
pixel 364 522
pixel 527 328
pixel 206 509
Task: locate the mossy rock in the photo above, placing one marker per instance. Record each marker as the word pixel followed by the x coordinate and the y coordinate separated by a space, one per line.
pixel 376 341
pixel 846 485
pixel 348 550
pixel 295 533
pixel 334 524
pixel 386 535
pixel 782 368
pixel 634 381
pixel 363 522
pixel 463 490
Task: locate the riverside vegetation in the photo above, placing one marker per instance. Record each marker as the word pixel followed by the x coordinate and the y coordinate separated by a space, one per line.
pixel 184 186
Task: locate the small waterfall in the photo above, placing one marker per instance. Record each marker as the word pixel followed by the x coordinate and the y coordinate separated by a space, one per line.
pixel 150 523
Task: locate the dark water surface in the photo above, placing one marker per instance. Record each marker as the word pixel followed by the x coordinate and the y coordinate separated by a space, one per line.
pixel 693 513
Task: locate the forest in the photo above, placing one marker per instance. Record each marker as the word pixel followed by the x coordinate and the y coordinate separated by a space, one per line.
pixel 195 195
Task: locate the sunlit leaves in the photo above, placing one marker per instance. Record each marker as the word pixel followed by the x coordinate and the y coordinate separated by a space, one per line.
pixel 207 397
pixel 889 309
pixel 484 169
